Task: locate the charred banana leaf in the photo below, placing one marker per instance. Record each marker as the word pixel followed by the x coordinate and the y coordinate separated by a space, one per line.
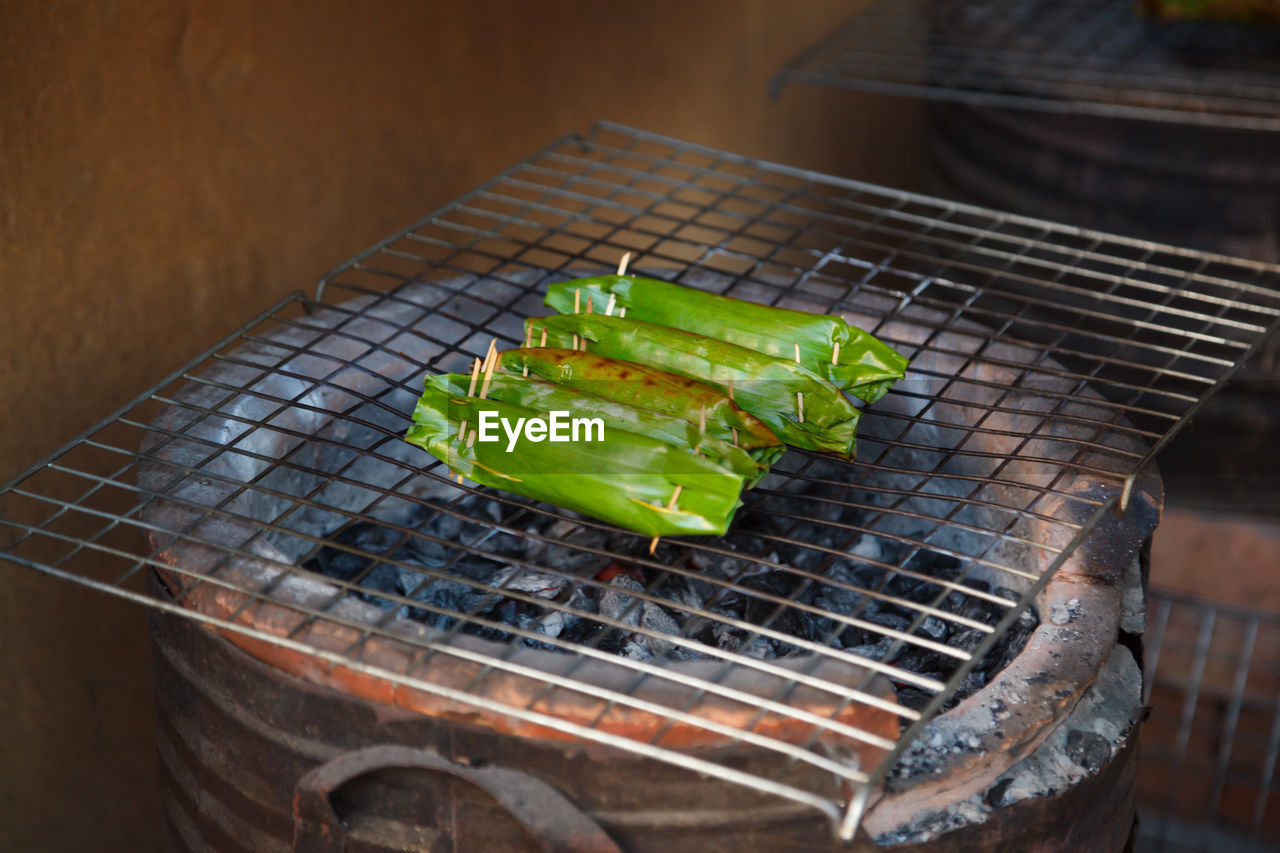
pixel 646 388
pixel 545 396
pixel 797 403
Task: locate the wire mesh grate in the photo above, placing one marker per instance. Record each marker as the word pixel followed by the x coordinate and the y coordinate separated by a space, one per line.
pixel 1210 745
pixel 267 483
pixel 1083 56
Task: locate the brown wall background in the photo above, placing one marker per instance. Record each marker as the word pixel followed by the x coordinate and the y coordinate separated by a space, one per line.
pixel 168 169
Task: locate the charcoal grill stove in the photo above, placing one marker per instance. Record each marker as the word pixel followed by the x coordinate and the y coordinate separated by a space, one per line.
pixel 1012 469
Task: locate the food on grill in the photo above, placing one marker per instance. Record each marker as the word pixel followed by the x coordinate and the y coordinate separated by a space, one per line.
pixel 648 388
pixel 632 480
pixel 548 397
pixel 850 358
pixel 1241 11
pixel 796 402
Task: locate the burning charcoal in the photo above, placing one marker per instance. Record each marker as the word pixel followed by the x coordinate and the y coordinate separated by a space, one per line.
pixel 922 662
pixel 538 584
pixel 1088 749
pixel 383 578
pixel 972 683
pixel 873 651
pixel 933 628
pixel 966 639
pixel 913 698
pixel 619 606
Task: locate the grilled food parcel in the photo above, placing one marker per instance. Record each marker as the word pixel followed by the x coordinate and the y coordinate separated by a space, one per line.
pixel 694 415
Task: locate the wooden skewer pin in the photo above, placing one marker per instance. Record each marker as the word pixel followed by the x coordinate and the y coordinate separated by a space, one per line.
pixel 577 299
pixel 471 390
pixel 675 496
pixel 528 342
pixel 835 353
pixel 589 304
pixel 488 371
pixel 622 264
pixel 799 396
pixel 544 337
pixel 608 309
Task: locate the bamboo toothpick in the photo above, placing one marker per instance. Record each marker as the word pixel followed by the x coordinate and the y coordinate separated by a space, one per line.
pixel 608 309
pixel 488 371
pixel 799 396
pixel 675 496
pixel 528 336
pixel 622 312
pixel 543 343
pixel 835 353
pixel 590 302
pixel 702 417
pixel 575 340
pixel 622 264
pixel 475 376
pixel 577 299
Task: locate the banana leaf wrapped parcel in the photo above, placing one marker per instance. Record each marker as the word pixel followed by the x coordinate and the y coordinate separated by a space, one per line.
pixel 652 389
pixel 533 393
pixel 798 404
pixel 850 358
pixel 635 481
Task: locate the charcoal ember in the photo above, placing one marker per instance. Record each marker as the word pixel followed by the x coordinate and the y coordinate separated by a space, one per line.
pixel 933 628
pixel 839 599
pixel 966 639
pixel 791 564
pixel 383 577
pixel 912 697
pixel 924 662
pixel 887 615
pixel 537 584
pixel 1011 643
pixel 873 651
pixel 973 682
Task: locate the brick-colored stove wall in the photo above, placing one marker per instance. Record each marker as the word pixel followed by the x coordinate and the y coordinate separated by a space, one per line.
pixel 169 169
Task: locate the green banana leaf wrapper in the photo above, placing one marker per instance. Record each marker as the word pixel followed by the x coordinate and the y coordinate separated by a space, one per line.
pixel 763 385
pixel 533 393
pixel 647 388
pixel 627 479
pixel 865 367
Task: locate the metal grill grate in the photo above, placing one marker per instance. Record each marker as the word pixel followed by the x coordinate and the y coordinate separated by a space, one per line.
pixel 1049 365
pixel 1210 747
pixel 1080 56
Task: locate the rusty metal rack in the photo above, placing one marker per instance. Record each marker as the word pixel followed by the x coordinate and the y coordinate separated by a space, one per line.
pixel 1211 746
pixel 1049 366
pixel 1098 57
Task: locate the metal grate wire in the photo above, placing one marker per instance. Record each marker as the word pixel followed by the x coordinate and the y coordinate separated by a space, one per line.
pixel 1080 56
pixel 1050 364
pixel 1209 776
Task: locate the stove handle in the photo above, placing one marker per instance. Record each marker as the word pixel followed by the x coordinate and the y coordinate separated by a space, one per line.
pixel 557 824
